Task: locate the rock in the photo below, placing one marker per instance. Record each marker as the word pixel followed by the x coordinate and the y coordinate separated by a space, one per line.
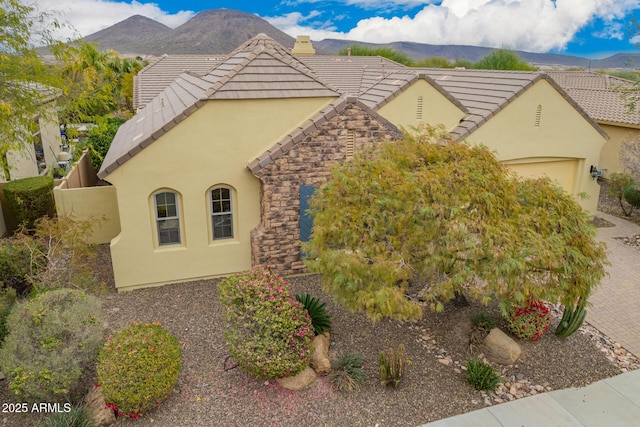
pixel 2 377
pixel 94 401
pixel 320 359
pixel 501 348
pixel 300 381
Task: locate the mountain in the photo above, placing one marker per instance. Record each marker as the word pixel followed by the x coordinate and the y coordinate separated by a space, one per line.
pixel 125 36
pixel 209 32
pixel 474 53
pixel 219 31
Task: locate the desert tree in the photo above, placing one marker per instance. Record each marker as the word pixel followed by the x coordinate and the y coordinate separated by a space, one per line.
pixel 450 217
pixel 27 84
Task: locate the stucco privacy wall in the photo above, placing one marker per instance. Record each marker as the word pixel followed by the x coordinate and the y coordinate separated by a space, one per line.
pixel 212 147
pixel 560 133
pixel 275 241
pixel 421 102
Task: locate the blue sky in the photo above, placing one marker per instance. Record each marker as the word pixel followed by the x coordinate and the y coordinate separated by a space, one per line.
pixel 591 28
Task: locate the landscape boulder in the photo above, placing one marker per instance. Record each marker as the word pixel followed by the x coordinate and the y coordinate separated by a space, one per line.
pixel 97 408
pixel 300 381
pixel 501 348
pixel 320 359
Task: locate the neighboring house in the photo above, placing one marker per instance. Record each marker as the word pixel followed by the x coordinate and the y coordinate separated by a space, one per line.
pixel 37 158
pixel 600 95
pixel 41 156
pixel 212 176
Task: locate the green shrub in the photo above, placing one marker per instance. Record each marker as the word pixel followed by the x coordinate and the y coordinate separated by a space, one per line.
pixel 269 332
pixel 631 193
pixel 29 198
pixel 483 321
pixel 392 363
pixel 138 368
pixel 617 182
pixel 15 266
pixel 52 339
pixel 78 416
pixel 7 300
pixel 99 139
pixel 347 372
pixel 528 322
pixel 320 319
pixel 481 375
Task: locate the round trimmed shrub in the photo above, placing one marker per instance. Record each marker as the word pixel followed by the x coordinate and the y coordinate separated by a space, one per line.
pixel 269 332
pixel 29 198
pixel 138 368
pixel 52 340
pixel 529 322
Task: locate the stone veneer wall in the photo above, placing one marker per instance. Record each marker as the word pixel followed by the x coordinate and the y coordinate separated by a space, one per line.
pixel 276 240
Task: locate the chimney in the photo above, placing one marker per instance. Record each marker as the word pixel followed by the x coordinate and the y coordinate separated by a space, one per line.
pixel 303 46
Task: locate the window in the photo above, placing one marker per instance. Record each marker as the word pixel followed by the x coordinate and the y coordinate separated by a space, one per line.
pixel 167 218
pixel 221 213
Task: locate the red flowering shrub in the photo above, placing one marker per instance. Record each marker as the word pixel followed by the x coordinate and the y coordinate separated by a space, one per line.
pixel 138 368
pixel 529 322
pixel 269 332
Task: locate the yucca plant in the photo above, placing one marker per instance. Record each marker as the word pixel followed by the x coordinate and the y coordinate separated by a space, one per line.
pixel 348 373
pixel 320 319
pixel 481 375
pixel 392 363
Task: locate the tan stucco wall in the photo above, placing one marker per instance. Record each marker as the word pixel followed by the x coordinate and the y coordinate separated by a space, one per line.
pixel 436 108
pixel 96 204
pixel 50 133
pixel 210 147
pixel 22 163
pixel 610 153
pixel 563 135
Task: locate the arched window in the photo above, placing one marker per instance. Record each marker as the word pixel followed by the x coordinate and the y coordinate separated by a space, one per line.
pixel 221 213
pixel 167 218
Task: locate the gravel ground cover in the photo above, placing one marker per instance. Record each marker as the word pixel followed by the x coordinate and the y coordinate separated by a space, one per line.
pixel 208 393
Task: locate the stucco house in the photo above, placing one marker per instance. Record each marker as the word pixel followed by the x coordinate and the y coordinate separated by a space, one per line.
pixel 212 175
pixel 600 95
pixel 37 158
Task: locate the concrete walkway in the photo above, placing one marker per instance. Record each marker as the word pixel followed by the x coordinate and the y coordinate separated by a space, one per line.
pixel 613 402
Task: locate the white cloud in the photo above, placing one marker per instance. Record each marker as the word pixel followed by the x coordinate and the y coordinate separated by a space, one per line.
pixel 531 25
pixel 89 16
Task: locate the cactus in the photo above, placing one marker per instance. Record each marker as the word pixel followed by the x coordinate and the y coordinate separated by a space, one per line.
pixel 571 319
pixel 392 364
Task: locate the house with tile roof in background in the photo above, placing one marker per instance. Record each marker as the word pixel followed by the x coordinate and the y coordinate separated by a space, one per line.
pixel 213 173
pixel 601 96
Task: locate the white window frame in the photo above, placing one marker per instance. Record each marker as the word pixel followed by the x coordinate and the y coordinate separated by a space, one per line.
pixel 162 220
pixel 218 216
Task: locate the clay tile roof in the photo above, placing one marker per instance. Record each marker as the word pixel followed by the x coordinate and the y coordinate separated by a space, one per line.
pixel 351 75
pixel 156 76
pixel 600 95
pixel 260 68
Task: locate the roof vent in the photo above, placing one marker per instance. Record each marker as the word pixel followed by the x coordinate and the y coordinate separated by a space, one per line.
pixel 351 142
pixel 303 46
pixel 538 116
pixel 419 108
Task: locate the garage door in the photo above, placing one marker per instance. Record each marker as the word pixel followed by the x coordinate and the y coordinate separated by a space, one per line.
pixel 564 171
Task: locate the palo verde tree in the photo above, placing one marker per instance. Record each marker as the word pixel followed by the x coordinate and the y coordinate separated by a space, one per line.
pixel 450 216
pixel 26 83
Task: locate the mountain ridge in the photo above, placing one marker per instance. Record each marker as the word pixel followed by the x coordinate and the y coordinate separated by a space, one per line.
pixel 219 31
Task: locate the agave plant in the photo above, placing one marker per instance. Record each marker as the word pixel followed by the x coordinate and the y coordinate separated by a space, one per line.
pixel 320 319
